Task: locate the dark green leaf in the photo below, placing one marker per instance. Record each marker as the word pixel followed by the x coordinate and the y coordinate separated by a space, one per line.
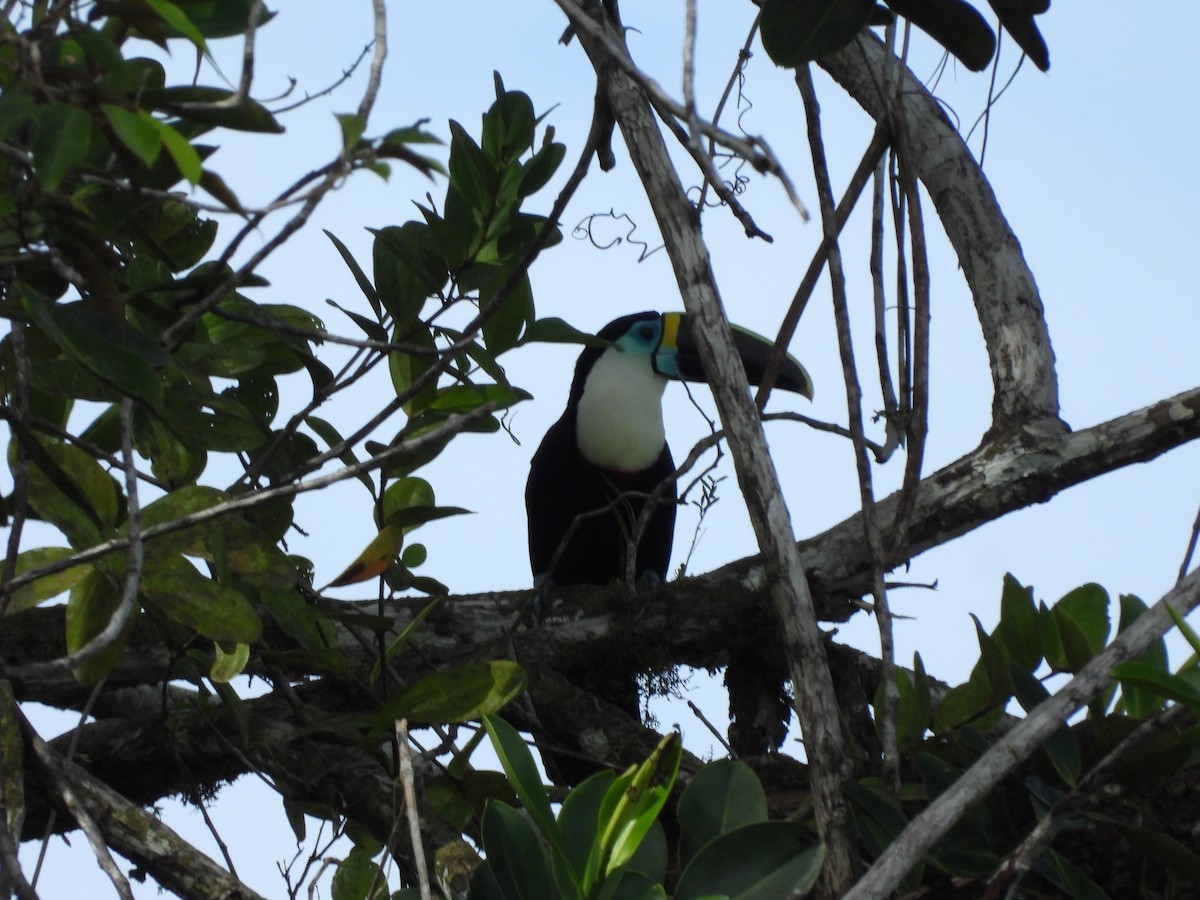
pixel 91 606
pixel 472 175
pixel 173 16
pixel 461 398
pixel 1138 702
pixel 69 489
pixel 578 827
pixel 1087 607
pixel 763 861
pixel 198 103
pixel 177 589
pixel 136 131
pixel 1061 746
pixel 514 854
pixel 1078 885
pixel 522 775
pixel 540 169
pixel 364 283
pixel 722 796
pixel 503 329
pixel 1166 851
pixel 355 876
pixel 955 25
pixel 407 271
pixel 508 127
pixel 878 820
pixel 1018 631
pixel 798 31
pixel 48 586
pixel 222 18
pixel 406 368
pixel 63 137
pixel 553 330
pixel 1017 17
pixel 183 154
pixel 1154 680
pixel 459 694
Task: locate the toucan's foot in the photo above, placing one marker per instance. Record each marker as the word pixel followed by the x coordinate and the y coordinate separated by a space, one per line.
pixel 542 586
pixel 649 579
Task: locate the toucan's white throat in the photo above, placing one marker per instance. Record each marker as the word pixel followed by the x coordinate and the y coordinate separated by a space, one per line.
pixel 619 423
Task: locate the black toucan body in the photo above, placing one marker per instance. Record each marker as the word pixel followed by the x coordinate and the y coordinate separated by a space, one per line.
pixel 597 464
pixel 610 442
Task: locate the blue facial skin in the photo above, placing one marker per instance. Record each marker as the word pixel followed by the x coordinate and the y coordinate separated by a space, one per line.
pixel 646 339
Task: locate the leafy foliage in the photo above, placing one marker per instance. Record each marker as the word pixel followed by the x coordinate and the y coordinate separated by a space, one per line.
pixel 606 842
pixel 798 31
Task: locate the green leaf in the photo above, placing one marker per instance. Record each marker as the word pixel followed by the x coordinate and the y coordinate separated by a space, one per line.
pixel 63 137
pixel 1017 17
pixel 578 827
pixel 763 861
pixel 722 796
pixel 1087 608
pixel 1018 631
pixel 1078 885
pixel 48 586
pixel 364 283
pixel 633 802
pixel 461 398
pixel 538 171
pixel 222 18
pixel 1061 746
pixel 955 25
pixel 184 155
pixel 352 129
pixel 177 590
pixel 407 271
pixel 179 504
pixel 553 330
pixel 1150 678
pixel 178 20
pixel 1166 851
pixel 136 131
pixel 123 357
pixel 69 489
pixel 472 175
pixel 514 854
pixel 406 368
pixel 522 775
pixel 798 31
pixel 502 331
pixel 1138 702
pixel 92 604
pixel 459 694
pixel 227 666
pixel 354 877
pixel 878 820
pixel 205 105
pixel 508 127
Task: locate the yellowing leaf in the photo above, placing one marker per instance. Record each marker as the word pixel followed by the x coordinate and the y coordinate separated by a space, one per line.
pixel 374 560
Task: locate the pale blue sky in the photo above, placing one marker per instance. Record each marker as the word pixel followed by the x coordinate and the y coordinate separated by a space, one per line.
pixel 1088 162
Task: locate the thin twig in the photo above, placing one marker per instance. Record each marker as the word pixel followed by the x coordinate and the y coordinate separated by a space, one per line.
pixel 450 427
pixel 871 533
pixel 1016 745
pixel 408 781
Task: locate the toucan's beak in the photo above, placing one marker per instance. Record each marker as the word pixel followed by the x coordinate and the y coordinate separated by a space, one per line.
pixel 678 356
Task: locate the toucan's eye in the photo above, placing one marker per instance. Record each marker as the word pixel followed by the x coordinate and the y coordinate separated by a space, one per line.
pixel 646 332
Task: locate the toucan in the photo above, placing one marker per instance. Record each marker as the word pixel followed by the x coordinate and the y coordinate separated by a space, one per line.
pixel 608 452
